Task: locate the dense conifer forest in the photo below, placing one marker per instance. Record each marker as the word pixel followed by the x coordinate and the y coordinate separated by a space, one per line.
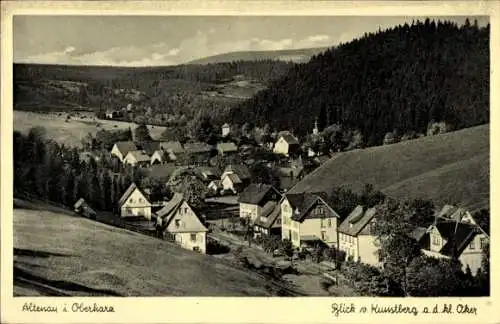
pixel 398 80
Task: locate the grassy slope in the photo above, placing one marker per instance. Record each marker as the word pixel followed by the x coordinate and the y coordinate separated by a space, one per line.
pixel 71 133
pixel 449 168
pixel 298 55
pixel 101 260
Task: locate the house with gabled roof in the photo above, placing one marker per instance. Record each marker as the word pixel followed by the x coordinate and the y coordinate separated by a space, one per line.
pixel 308 219
pixel 286 144
pixel 459 214
pixel 235 177
pixel 181 224
pixel 197 152
pixel 170 151
pixel 121 149
pixel 356 236
pixel 455 239
pixel 207 174
pixel 137 158
pixel 226 129
pixel 134 203
pixel 228 148
pixel 252 200
pixel 269 221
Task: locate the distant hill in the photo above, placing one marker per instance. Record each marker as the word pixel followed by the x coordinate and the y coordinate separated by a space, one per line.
pixel 154 91
pixel 295 55
pixel 56 253
pixel 396 79
pixel 451 168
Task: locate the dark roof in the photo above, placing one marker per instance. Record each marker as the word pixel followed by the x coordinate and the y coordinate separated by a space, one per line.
pixel 357 220
pixel 129 191
pixel 171 206
pixel 161 171
pixel 140 156
pixel 208 172
pixel 197 147
pixel 304 201
pixel 227 147
pixel 290 139
pixel 255 192
pixel 172 146
pixel 126 147
pixel 458 236
pixel 271 211
pixel 418 233
pixel 240 169
pixel 150 146
pixel 297 200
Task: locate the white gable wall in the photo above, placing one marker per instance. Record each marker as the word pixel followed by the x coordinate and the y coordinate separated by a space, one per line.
pixel 281 147
pixel 187 229
pixel 116 152
pixel 136 205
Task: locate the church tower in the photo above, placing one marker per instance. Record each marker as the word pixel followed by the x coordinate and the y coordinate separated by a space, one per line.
pixel 315 129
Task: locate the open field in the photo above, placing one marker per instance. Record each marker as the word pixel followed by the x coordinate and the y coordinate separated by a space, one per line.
pixel 450 168
pixel 71 132
pixel 58 253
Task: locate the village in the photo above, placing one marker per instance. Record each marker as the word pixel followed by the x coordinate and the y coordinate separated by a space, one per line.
pixel 280 226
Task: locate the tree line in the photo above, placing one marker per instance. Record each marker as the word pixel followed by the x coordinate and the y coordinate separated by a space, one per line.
pixel 398 80
pixel 56 173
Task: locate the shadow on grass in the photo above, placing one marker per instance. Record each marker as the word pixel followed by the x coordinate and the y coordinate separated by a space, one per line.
pixel 50 286
pixel 37 254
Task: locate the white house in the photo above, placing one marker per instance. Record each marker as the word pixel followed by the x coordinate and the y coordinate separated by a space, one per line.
pixel 286 145
pixel 356 238
pixel 134 203
pixel 137 157
pixel 449 238
pixel 121 149
pixel 254 197
pixel 235 177
pixel 307 219
pixel 182 225
pixel 226 129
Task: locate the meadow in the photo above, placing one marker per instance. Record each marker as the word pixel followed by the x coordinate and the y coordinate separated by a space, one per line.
pixel 71 132
pixel 451 168
pixel 59 253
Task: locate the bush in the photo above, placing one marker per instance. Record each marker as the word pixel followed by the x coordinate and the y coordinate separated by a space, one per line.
pixel 366 279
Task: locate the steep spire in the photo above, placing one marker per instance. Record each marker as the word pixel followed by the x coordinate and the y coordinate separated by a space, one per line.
pixel 315 129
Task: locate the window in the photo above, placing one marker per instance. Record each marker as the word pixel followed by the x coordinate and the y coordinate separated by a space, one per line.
pixel 295 236
pixel 323 235
pixel 131 200
pixel 141 200
pixel 322 223
pixel 321 210
pixel 436 240
pixel 329 222
pixel 193 237
pixel 483 242
pixel 185 210
pixel 472 245
pixel 177 223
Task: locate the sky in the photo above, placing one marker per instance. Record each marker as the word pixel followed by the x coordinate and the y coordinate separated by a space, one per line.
pixel 170 40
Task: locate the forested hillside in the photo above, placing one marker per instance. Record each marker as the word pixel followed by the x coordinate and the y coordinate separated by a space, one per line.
pixel 153 91
pixel 398 80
